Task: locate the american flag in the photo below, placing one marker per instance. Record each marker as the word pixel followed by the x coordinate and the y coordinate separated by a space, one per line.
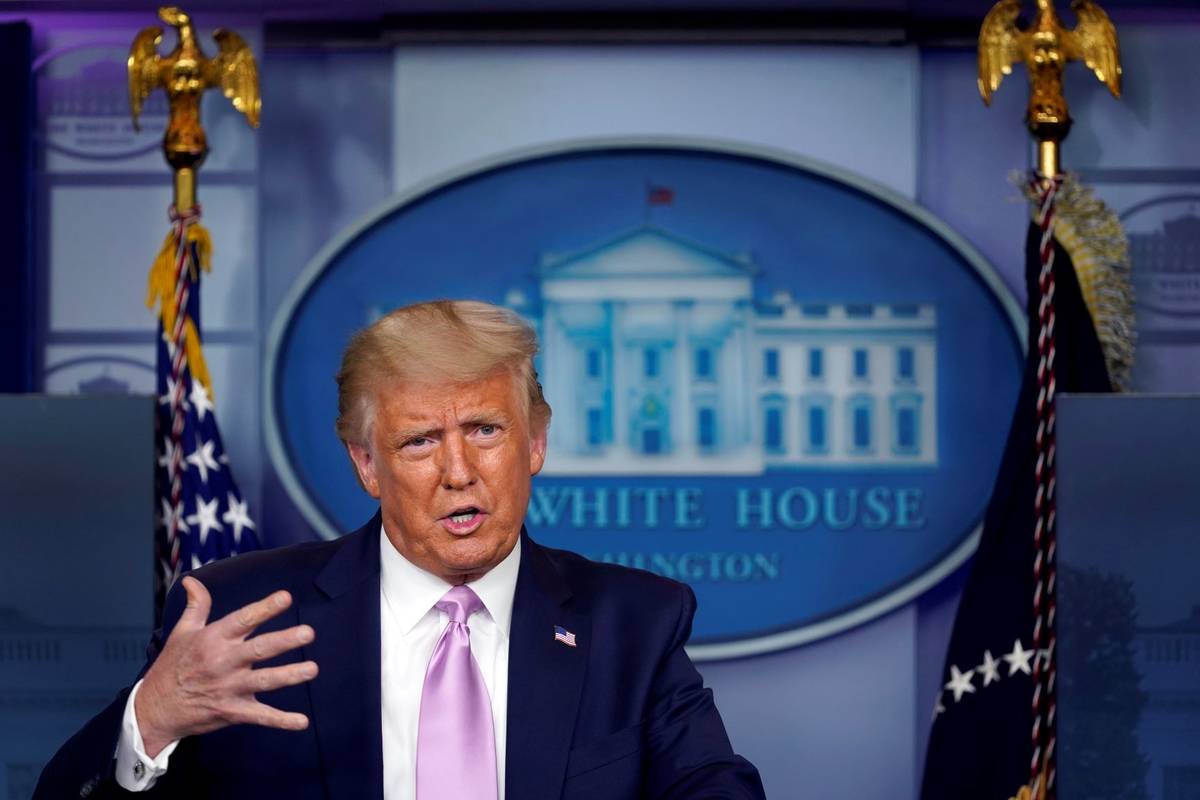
pixel 201 515
pixel 563 635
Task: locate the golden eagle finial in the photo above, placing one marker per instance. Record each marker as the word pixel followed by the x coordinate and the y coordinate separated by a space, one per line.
pixel 185 74
pixel 1045 47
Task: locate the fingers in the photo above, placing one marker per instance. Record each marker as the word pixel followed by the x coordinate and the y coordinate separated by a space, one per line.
pixel 204 679
pixel 269 679
pixel 255 713
pixel 199 604
pixel 242 622
pixel 269 645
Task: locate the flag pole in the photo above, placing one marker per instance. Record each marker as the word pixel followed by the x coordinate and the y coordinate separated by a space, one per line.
pixel 187 438
pixel 1045 48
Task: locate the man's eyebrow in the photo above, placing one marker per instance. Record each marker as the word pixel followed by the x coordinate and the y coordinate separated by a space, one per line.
pixel 405 434
pixel 490 416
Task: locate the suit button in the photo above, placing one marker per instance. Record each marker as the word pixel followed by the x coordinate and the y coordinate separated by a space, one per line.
pixel 88 787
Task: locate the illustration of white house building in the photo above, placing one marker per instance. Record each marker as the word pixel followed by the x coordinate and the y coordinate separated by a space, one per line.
pixel 657 359
pixel 1167 659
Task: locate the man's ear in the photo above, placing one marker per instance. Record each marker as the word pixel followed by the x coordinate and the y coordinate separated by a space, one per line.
pixel 364 468
pixel 537 448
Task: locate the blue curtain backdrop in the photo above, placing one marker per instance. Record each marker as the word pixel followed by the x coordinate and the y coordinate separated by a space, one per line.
pixel 16 208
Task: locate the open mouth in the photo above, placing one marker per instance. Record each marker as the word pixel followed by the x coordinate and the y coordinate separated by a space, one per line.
pixel 462 515
pixel 464 519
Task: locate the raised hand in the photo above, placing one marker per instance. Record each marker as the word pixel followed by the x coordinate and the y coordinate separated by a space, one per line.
pixel 204 679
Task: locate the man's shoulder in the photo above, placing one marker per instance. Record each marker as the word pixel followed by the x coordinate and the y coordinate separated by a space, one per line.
pixel 246 577
pixel 304 557
pixel 597 580
pixel 644 611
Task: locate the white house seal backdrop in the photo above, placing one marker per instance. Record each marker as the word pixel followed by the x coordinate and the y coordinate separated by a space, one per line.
pixel 775 381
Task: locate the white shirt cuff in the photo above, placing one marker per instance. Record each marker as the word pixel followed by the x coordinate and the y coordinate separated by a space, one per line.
pixel 136 771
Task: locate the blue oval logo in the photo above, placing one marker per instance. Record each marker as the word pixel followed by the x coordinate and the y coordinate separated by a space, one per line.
pixel 772 380
pixel 83 104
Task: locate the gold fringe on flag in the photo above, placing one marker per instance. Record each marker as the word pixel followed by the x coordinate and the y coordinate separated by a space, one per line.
pixel 1092 235
pixel 160 291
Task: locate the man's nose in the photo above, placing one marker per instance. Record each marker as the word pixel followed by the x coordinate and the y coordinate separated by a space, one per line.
pixel 458 465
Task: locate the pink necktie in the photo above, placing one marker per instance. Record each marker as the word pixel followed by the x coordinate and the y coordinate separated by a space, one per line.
pixel 456 745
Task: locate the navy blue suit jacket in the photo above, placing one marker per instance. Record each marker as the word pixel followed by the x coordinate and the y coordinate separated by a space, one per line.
pixel 624 714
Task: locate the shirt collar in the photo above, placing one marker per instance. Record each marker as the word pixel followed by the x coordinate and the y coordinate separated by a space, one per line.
pixel 411 592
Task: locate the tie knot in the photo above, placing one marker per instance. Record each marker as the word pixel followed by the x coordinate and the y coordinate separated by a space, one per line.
pixel 460 603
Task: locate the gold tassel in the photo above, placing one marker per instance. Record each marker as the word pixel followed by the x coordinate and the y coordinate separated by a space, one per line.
pixel 199 236
pixel 161 284
pixel 1092 235
pixel 160 291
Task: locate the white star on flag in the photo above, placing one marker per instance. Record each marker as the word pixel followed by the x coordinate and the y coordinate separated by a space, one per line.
pixel 1018 659
pixel 167 459
pixel 170 343
pixel 205 517
pixel 165 517
pixel 990 668
pixel 200 399
pixel 169 397
pixel 960 682
pixel 238 517
pixel 174 514
pixel 202 459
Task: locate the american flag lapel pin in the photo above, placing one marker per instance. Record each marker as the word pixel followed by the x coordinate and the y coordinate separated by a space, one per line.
pixel 563 635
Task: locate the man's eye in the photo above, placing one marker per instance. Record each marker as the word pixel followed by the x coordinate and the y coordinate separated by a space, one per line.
pixel 488 430
pixel 417 441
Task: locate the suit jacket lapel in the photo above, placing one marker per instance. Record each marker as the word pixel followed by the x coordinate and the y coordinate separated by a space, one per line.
pixel 545 678
pixel 346 694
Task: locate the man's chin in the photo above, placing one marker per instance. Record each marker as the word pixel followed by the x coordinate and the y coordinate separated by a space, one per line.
pixel 471 557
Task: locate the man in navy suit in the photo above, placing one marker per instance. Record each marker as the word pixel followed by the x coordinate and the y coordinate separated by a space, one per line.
pixel 437 652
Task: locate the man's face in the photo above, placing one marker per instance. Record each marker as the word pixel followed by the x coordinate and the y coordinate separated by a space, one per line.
pixel 451 466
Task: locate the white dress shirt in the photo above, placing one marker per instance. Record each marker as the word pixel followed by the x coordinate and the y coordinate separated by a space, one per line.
pixel 409 628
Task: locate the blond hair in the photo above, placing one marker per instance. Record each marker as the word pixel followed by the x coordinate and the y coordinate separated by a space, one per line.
pixel 443 341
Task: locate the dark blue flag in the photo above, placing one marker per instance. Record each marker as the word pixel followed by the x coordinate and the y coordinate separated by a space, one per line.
pixel 982 745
